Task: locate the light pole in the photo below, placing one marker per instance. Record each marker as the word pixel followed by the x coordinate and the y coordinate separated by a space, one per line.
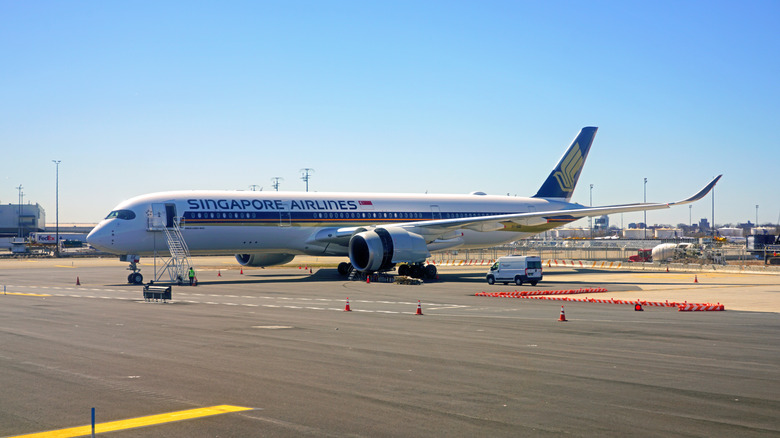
pixel 19 219
pixel 57 209
pixel 306 174
pixel 713 211
pixel 756 214
pixel 690 216
pixel 590 218
pixel 276 180
pixel 645 201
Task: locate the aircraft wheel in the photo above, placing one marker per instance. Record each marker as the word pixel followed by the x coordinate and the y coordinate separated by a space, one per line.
pixel 403 270
pixel 343 268
pixel 415 271
pixel 137 278
pixel 130 278
pixel 430 271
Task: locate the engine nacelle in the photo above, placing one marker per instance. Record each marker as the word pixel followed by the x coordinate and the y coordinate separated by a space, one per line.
pixel 263 259
pixel 379 249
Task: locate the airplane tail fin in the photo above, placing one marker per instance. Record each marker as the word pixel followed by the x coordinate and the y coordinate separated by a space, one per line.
pixel 562 180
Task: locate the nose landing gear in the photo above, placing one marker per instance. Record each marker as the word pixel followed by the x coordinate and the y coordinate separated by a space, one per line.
pixel 135 277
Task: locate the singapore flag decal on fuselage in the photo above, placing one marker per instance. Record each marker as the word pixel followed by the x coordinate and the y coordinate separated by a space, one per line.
pixel 376 231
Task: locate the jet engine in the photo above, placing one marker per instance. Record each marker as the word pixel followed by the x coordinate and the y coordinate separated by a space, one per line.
pixel 263 259
pixel 381 248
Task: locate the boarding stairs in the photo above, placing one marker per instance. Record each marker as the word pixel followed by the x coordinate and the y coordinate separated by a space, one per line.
pixel 178 264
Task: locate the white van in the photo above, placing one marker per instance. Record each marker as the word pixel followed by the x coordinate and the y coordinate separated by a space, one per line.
pixel 516 268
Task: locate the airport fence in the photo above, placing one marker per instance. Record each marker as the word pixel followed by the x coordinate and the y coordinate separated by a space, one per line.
pixel 735 256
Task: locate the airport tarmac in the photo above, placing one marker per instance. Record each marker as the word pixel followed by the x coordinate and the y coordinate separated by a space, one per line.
pixel 278 341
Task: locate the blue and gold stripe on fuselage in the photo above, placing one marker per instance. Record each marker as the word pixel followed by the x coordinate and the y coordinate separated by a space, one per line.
pixel 275 218
pixel 344 219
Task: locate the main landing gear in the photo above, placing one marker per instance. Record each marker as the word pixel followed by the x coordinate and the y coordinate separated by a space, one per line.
pixel 344 268
pixel 416 270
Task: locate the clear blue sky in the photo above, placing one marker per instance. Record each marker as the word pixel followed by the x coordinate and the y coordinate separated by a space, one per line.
pixel 396 96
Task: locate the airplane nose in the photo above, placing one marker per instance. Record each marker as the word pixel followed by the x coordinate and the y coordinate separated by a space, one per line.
pixel 101 237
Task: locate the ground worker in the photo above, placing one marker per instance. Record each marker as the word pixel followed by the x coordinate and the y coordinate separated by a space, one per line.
pixel 192 275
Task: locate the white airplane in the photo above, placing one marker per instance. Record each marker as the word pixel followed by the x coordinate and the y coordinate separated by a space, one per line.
pixel 376 231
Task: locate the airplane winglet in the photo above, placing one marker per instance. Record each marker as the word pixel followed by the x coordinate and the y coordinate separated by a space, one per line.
pixel 702 193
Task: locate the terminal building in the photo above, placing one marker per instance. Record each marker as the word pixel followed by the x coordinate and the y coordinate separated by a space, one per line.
pixel 21 220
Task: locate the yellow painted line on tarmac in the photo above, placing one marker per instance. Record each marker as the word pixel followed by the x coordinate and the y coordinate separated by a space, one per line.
pixel 665 275
pixel 134 423
pixel 676 276
pixel 27 295
pixel 63 266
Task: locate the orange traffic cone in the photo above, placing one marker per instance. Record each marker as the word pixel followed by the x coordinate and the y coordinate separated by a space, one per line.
pixel 368 279
pixel 562 318
pixel 347 309
pixel 638 308
pixel 78 283
pixel 419 308
pixel 310 271
pixel 219 273
pixel 194 281
pixel 695 278
pixel 667 269
pixel 242 271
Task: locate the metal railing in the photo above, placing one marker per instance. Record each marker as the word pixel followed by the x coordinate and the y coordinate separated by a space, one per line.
pixel 178 265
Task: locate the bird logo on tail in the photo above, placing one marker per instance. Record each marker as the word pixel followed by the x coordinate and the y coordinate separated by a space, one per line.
pixel 571 165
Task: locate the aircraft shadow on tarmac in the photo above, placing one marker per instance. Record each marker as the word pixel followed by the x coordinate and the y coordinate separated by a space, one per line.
pixel 295 276
pixel 247 278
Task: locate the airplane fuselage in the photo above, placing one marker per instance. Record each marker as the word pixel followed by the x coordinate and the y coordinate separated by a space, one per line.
pixel 232 222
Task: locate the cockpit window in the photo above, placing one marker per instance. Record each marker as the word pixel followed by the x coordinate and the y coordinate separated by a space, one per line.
pixel 121 214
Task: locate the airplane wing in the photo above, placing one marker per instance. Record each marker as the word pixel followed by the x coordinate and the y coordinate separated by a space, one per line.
pixel 500 222
pixel 444 228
